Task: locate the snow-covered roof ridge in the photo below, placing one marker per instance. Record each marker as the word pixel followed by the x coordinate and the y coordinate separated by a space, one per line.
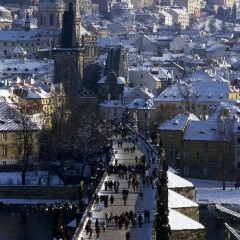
pixel 178 221
pixel 178 122
pixel 174 181
pixel 176 200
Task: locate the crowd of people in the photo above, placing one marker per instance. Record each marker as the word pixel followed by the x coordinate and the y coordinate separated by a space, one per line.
pixel 139 174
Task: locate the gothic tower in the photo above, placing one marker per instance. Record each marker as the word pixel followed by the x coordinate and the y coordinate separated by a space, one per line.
pixel 50 14
pixel 75 50
pixel 73 6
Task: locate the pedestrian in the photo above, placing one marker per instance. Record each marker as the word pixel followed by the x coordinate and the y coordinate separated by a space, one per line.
pixel 128 235
pixel 116 219
pixel 104 225
pixel 136 159
pixel 116 162
pixel 140 220
pixel 141 195
pixel 90 231
pixel 123 193
pixel 148 216
pixel 106 185
pixel 145 216
pixel 98 231
pixel 112 199
pixel 107 215
pixel 129 183
pixel 96 223
pixel 125 199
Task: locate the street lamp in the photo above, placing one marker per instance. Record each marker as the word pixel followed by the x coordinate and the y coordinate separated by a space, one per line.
pixel 178 162
pixel 81 200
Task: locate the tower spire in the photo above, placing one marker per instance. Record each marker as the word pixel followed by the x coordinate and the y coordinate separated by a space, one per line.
pixel 74 7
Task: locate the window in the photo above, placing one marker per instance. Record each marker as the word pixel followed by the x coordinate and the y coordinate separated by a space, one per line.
pixel 51 20
pixel 171 136
pixel 4 136
pixel 171 151
pixel 186 155
pixel 3 150
pixel 238 164
pixel 5 44
pixel 206 144
pixel 238 153
pixel 186 169
pixel 238 140
pixel 205 171
pixel 205 157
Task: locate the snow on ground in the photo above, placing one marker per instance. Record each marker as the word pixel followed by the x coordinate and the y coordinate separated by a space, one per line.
pixel 32 178
pixel 211 190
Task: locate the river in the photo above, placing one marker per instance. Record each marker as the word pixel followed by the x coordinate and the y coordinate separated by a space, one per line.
pixel 35 222
pixel 30 222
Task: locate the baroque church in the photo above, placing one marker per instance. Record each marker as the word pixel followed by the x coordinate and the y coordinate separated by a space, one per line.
pixel 75 49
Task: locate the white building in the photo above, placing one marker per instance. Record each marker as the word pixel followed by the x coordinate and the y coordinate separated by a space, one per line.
pixel 165 18
pixel 180 16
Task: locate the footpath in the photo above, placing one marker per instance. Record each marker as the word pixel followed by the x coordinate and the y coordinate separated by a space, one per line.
pixel 134 201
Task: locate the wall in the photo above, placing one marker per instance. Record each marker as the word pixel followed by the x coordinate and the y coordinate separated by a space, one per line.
pixel 39 192
pixel 198 234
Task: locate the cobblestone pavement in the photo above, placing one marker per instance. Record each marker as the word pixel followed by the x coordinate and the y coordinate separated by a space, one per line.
pixel 133 203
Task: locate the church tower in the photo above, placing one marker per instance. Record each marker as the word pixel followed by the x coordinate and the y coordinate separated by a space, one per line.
pixel 74 7
pixel 50 14
pixel 75 50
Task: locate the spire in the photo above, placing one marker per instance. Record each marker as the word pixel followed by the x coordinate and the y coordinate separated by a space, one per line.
pixel 27 23
pixel 72 20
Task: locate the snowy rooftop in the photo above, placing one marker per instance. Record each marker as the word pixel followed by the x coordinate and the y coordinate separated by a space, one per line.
pixel 140 103
pixel 137 92
pixel 199 75
pixel 22 35
pixel 26 66
pixel 176 200
pixel 178 221
pixel 112 103
pixel 203 91
pixel 178 122
pixel 174 181
pixel 120 80
pixel 201 131
pixel 9 119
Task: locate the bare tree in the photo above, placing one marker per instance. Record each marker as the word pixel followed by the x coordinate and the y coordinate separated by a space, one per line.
pixel 189 97
pixel 224 137
pixel 27 139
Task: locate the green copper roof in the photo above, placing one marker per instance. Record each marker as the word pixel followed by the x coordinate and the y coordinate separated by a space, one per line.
pixel 51 1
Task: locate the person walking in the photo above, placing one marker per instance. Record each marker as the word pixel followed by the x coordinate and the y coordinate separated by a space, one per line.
pixel 104 225
pixel 140 218
pixel 112 199
pixel 128 235
pixel 98 231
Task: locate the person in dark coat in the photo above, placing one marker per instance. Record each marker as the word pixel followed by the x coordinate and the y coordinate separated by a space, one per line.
pixel 128 235
pixel 112 199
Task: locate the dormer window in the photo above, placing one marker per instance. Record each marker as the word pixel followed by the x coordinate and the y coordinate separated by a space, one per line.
pixel 176 122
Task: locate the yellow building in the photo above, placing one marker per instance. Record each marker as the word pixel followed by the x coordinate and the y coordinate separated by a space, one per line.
pixel 13 128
